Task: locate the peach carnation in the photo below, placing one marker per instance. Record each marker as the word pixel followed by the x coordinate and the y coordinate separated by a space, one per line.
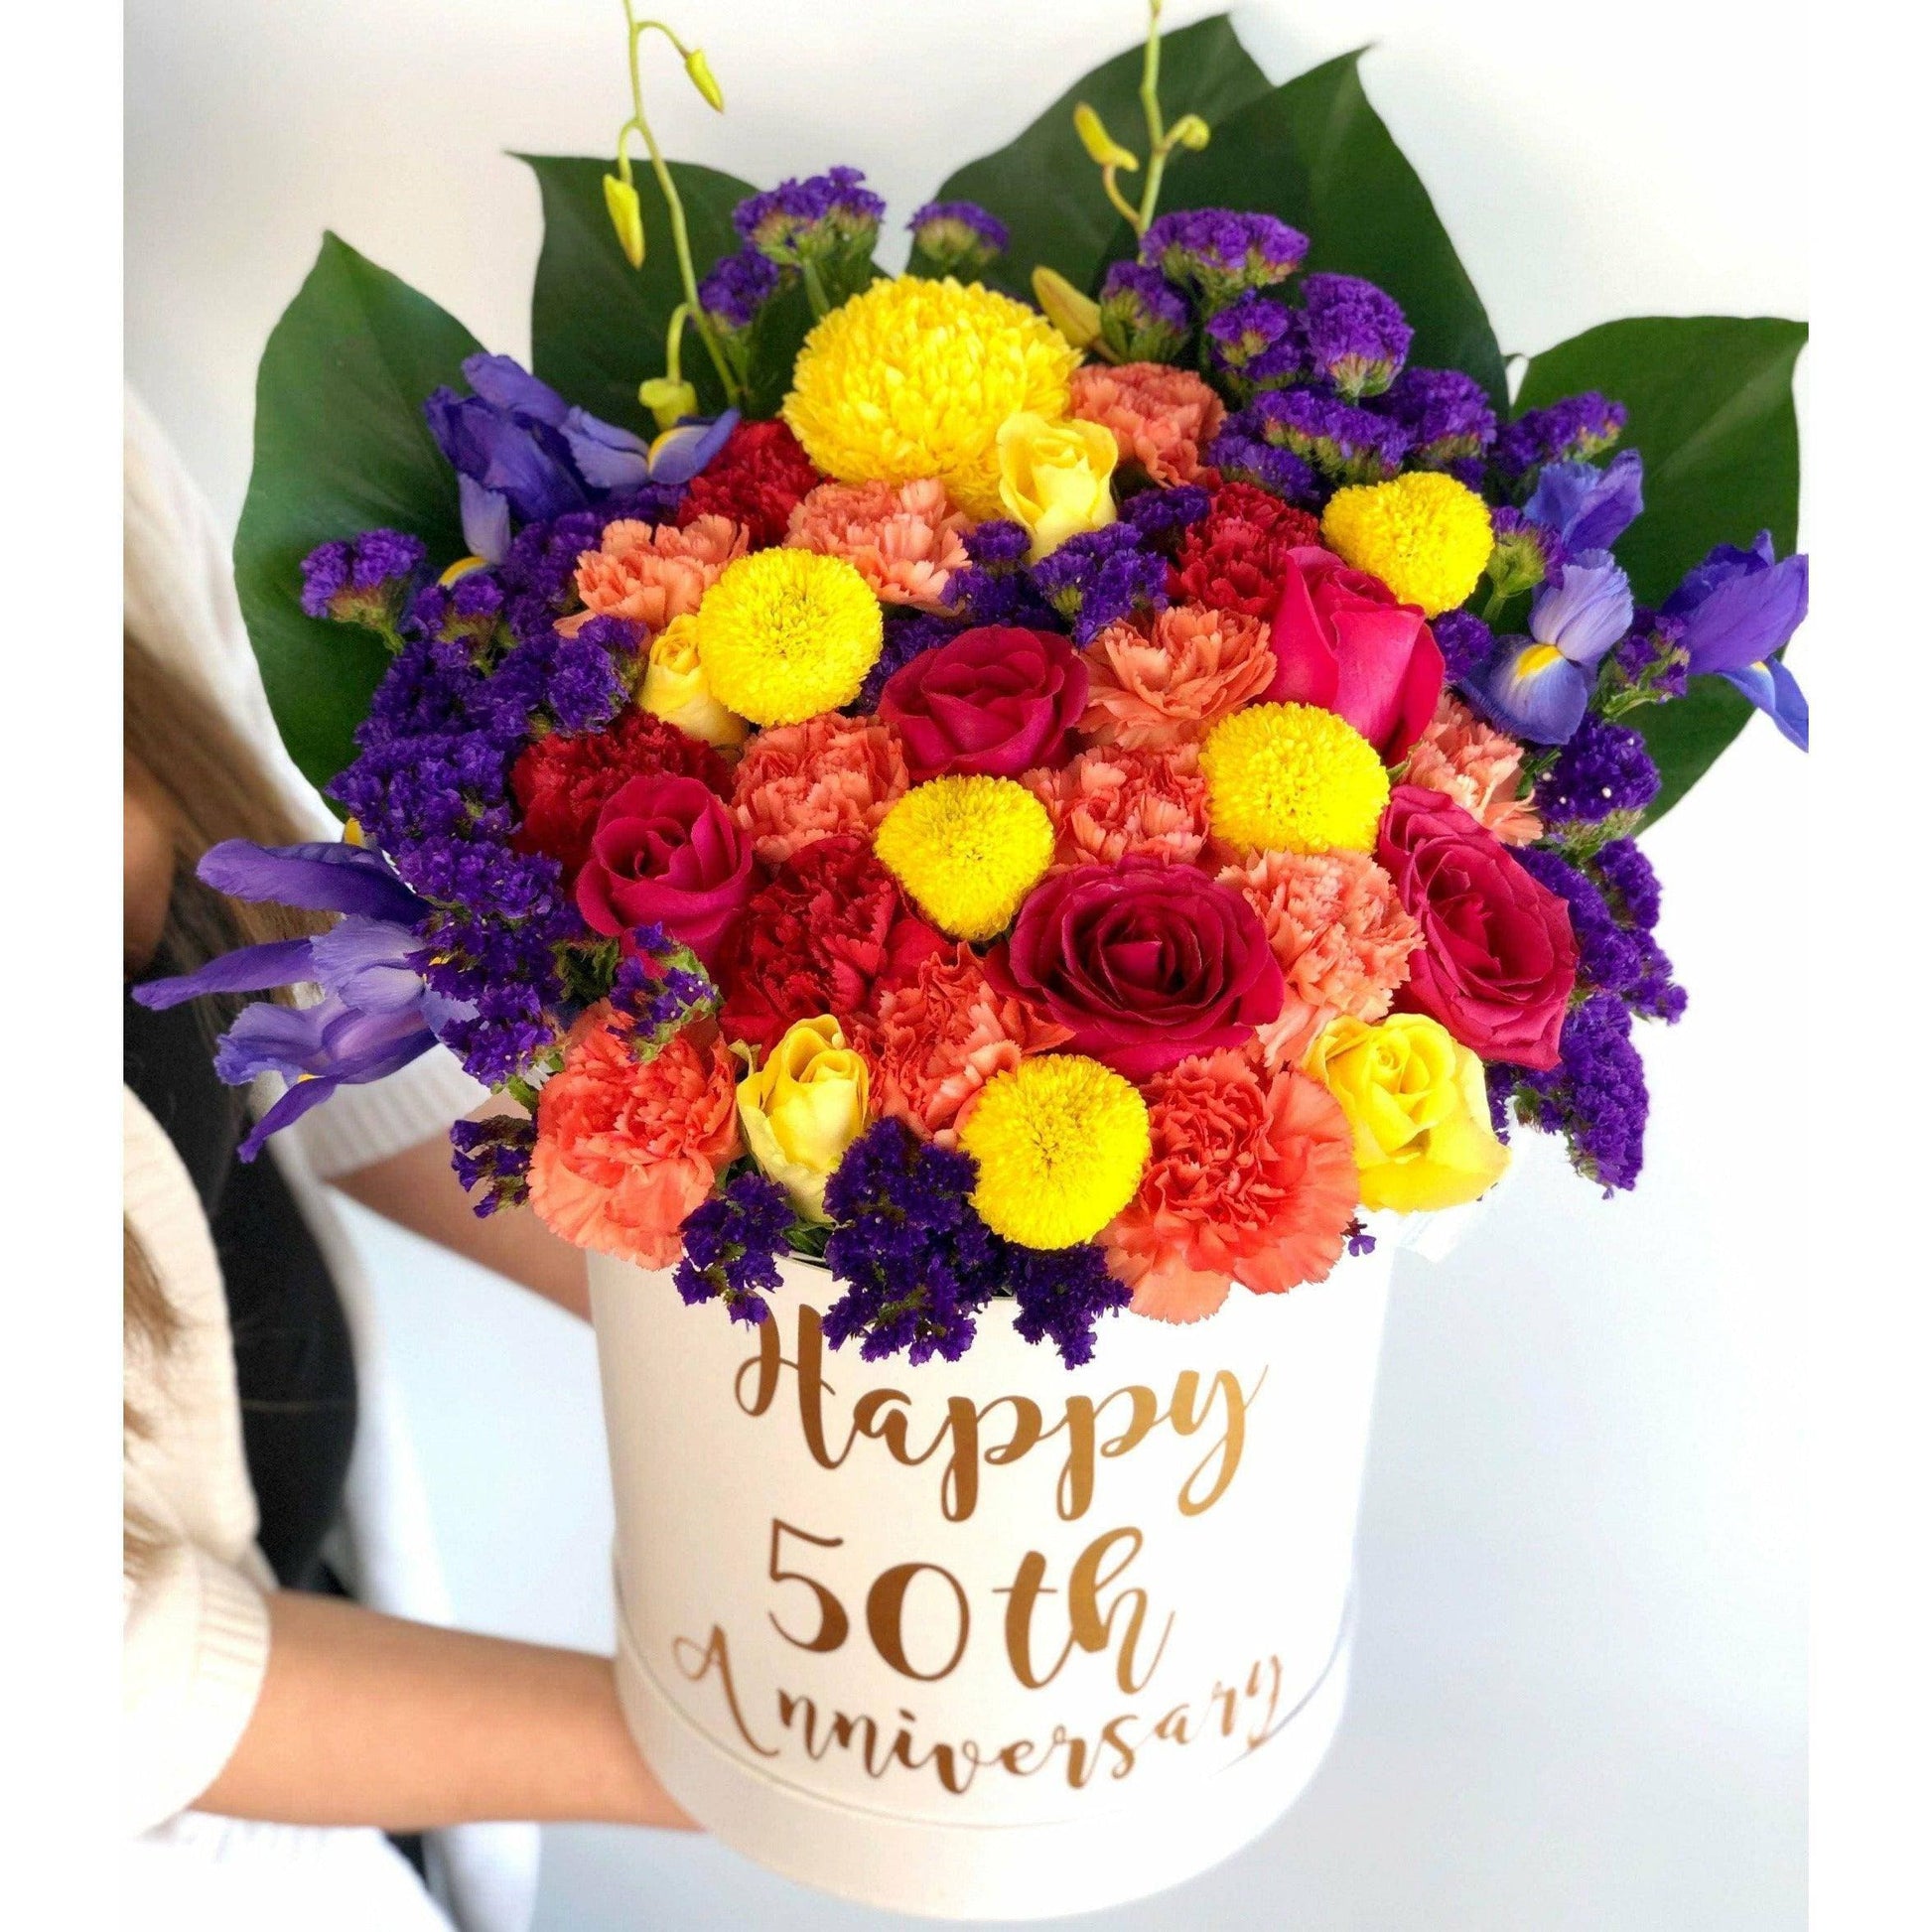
pixel 1111 804
pixel 1252 1179
pixel 652 573
pixel 940 1034
pixel 830 774
pixel 1159 683
pixel 1338 929
pixel 1162 418
pixel 626 1150
pixel 1464 759
pixel 904 539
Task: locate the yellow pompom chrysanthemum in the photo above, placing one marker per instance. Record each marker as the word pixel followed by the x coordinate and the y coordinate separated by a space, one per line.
pixel 913 378
pixel 784 634
pixel 1292 778
pixel 967 850
pixel 1426 535
pixel 1061 1144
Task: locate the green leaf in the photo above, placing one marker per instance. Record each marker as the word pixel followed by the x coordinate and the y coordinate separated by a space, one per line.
pixel 1043 185
pixel 597 324
pixel 1315 153
pixel 1710 409
pixel 340 447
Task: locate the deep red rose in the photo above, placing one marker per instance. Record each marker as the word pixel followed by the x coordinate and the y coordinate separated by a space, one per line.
pixel 823 936
pixel 757 479
pixel 562 780
pixel 995 701
pixel 1232 559
pixel 666 851
pixel 1498 959
pixel 1343 642
pixel 1143 962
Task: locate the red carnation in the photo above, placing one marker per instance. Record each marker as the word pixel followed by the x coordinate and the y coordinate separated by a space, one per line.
pixel 563 779
pixel 1232 559
pixel 818 939
pixel 757 479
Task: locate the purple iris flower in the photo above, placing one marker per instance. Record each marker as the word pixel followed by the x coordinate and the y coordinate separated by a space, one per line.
pixel 522 454
pixel 375 1014
pixel 1538 687
pixel 1738 608
pixel 1588 507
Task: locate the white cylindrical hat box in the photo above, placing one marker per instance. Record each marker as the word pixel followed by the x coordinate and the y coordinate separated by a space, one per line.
pixel 994 1638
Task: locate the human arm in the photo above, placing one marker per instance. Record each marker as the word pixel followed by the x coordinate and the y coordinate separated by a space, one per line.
pixel 368 1719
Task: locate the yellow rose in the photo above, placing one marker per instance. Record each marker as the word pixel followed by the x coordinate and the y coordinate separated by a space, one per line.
pixel 677 690
pixel 1056 477
pixel 804 1108
pixel 1415 1099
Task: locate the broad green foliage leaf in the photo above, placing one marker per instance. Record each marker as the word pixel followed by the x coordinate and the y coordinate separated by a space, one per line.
pixel 597 324
pixel 1315 153
pixel 340 447
pixel 1046 191
pixel 1711 408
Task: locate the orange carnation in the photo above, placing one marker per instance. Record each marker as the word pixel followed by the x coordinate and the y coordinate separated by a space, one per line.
pixel 904 539
pixel 942 1034
pixel 1111 804
pixel 1252 1179
pixel 1465 760
pixel 830 774
pixel 1158 683
pixel 1162 418
pixel 626 1151
pixel 1337 927
pixel 652 573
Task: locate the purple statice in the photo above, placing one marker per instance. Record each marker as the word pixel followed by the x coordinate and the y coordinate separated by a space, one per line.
pixel 1465 641
pixel 661 985
pixel 1448 417
pixel 1650 666
pixel 916 1261
pixel 467 611
pixel 1101 577
pixel 366 580
pixel 1576 427
pixel 1000 544
pixel 494 1156
pixel 1347 444
pixel 1526 554
pixel 734 294
pixel 1357 1237
pixel 731 1244
pixel 907 638
pixel 1160 515
pixel 1242 456
pixel 1629 882
pixel 1609 957
pixel 1143 316
pixel 1595 1096
pixel 825 226
pixel 1598 786
pixel 1060 1294
pixel 1256 342
pixel 1353 333
pixel 1217 253
pixel 958 236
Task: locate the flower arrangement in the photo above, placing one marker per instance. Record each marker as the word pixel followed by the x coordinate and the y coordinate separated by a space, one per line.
pixel 1085 798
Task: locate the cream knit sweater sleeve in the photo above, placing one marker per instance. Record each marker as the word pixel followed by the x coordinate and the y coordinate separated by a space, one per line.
pixel 195 1621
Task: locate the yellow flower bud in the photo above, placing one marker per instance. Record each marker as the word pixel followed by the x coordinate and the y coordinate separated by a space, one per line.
pixel 1415 1101
pixel 1075 315
pixel 804 1108
pixel 702 79
pixel 667 401
pixel 1189 132
pixel 1056 477
pixel 627 217
pixel 1101 146
pixel 677 690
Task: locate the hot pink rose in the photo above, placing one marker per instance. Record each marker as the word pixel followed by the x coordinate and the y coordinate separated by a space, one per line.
pixel 995 701
pixel 1498 960
pixel 666 851
pixel 1144 964
pixel 1342 642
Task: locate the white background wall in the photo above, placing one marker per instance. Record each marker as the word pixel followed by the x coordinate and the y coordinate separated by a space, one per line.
pixel 1580 1683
